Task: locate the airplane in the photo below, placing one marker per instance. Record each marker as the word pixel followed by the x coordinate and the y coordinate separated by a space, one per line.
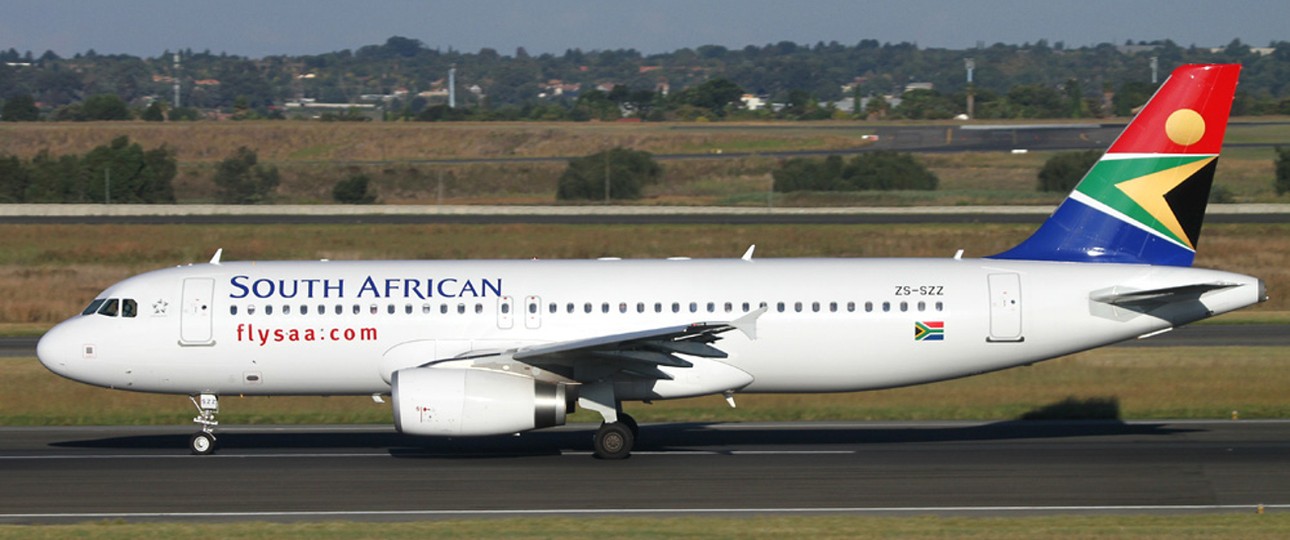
pixel 488 347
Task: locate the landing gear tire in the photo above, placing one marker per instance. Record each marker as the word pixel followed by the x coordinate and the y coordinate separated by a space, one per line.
pixel 202 443
pixel 614 441
pixel 627 420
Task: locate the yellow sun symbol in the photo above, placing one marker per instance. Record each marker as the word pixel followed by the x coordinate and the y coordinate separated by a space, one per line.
pixel 1185 127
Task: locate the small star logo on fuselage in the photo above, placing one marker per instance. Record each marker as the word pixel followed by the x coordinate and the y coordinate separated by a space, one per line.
pixel 159 307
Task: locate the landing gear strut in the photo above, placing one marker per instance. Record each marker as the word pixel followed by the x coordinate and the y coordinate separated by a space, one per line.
pixel 203 442
pixel 616 436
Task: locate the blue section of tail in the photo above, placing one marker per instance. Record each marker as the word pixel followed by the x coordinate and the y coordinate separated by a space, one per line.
pixel 1077 232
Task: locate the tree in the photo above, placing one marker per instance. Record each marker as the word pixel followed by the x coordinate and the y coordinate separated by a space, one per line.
pixel 14 177
pixel 1282 182
pixel 241 180
pixel 154 113
pixel 105 107
pixel 20 108
pixel 886 170
pixel 126 173
pixel 713 95
pixel 1062 171
pixel 357 189
pixel 625 171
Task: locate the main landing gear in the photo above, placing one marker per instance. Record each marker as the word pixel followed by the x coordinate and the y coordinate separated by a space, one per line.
pixel 617 435
pixel 203 442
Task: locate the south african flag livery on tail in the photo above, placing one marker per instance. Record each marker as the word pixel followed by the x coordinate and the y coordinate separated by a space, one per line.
pixel 1144 200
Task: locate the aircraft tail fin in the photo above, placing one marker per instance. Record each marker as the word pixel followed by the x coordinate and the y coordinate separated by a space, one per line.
pixel 1143 202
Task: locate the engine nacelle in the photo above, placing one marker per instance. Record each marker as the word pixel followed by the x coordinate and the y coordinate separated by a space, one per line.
pixel 448 401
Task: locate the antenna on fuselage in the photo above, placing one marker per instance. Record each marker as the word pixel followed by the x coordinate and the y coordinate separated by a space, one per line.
pixel 748 254
pixel 218 253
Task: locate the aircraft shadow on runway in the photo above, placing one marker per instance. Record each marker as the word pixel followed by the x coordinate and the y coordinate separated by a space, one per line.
pixel 678 437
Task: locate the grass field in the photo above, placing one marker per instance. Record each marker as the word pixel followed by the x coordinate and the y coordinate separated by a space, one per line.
pixel 406 159
pixel 1247 526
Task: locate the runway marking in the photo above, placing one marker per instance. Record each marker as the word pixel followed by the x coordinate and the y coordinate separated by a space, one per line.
pixel 638 511
pixel 426 454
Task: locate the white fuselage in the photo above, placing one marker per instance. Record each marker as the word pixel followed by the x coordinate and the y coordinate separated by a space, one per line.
pixel 331 328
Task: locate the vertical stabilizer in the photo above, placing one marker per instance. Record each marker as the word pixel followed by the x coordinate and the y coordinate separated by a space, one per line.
pixel 1143 202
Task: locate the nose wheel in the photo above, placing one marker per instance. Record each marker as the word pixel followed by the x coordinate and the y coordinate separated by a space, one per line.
pixel 203 442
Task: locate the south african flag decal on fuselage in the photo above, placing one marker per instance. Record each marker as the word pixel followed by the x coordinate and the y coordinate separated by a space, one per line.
pixel 929 331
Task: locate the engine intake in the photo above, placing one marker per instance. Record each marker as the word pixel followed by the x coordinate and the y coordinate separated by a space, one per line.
pixel 450 401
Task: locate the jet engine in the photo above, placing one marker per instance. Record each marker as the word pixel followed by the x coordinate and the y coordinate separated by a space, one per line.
pixel 450 401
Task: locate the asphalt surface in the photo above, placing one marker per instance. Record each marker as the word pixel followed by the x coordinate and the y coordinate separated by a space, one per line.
pixel 371 473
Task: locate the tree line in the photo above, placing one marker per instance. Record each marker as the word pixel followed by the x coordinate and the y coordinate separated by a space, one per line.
pixel 1022 81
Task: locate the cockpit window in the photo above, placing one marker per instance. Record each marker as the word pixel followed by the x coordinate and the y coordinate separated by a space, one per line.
pixel 129 308
pixel 110 307
pixel 93 307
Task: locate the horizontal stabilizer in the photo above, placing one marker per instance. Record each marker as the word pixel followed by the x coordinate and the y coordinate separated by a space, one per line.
pixel 1118 296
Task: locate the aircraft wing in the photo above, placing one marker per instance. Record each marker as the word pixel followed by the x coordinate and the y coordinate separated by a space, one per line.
pixel 639 353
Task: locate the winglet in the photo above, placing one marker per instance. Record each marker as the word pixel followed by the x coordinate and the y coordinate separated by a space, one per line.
pixel 748 323
pixel 748 254
pixel 218 253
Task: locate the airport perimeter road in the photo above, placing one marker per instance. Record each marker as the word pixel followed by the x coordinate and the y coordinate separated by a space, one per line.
pixel 133 473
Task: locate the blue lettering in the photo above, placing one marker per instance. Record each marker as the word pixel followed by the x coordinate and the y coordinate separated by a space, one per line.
pixel 412 287
pixel 256 288
pixel 469 287
pixel 369 286
pixel 328 287
pixel 309 286
pixel 391 287
pixel 444 293
pixel 282 288
pixel 495 288
pixel 235 282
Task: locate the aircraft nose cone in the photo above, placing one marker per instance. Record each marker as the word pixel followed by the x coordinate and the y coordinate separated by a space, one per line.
pixel 57 351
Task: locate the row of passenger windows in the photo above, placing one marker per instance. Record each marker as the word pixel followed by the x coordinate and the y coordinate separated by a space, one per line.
pixel 604 307
pixel 112 307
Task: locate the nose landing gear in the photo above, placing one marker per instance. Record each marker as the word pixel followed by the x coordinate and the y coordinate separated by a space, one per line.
pixel 203 442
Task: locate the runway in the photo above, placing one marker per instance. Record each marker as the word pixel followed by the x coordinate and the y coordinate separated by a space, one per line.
pixel 372 473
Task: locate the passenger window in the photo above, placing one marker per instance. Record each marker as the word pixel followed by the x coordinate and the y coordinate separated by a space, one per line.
pixel 729 307
pixel 129 308
pixel 552 308
pixel 833 307
pixel 904 306
pixel 712 307
pixel 232 310
pixel 373 309
pixel 286 309
pixel 886 306
pixel 322 310
pixel 780 307
pixel 586 308
pixel 622 307
pixel 304 309
pixel 533 308
pixel 939 306
pixel 640 307
pixel 868 307
pixel 389 308
pixel 407 309
pixel 250 310
pixel 694 307
pixel 425 309
pixel 357 309
pixel 815 306
pixel 443 309
pixel 746 307
pixel 851 306
pixel 676 307
pixel 461 309
pixel 268 310
pixel 479 308
pixel 506 308
pixel 568 308
pixel 922 305
pixel 93 307
pixel 604 307
pixel 110 308
pixel 797 306
pixel 658 307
